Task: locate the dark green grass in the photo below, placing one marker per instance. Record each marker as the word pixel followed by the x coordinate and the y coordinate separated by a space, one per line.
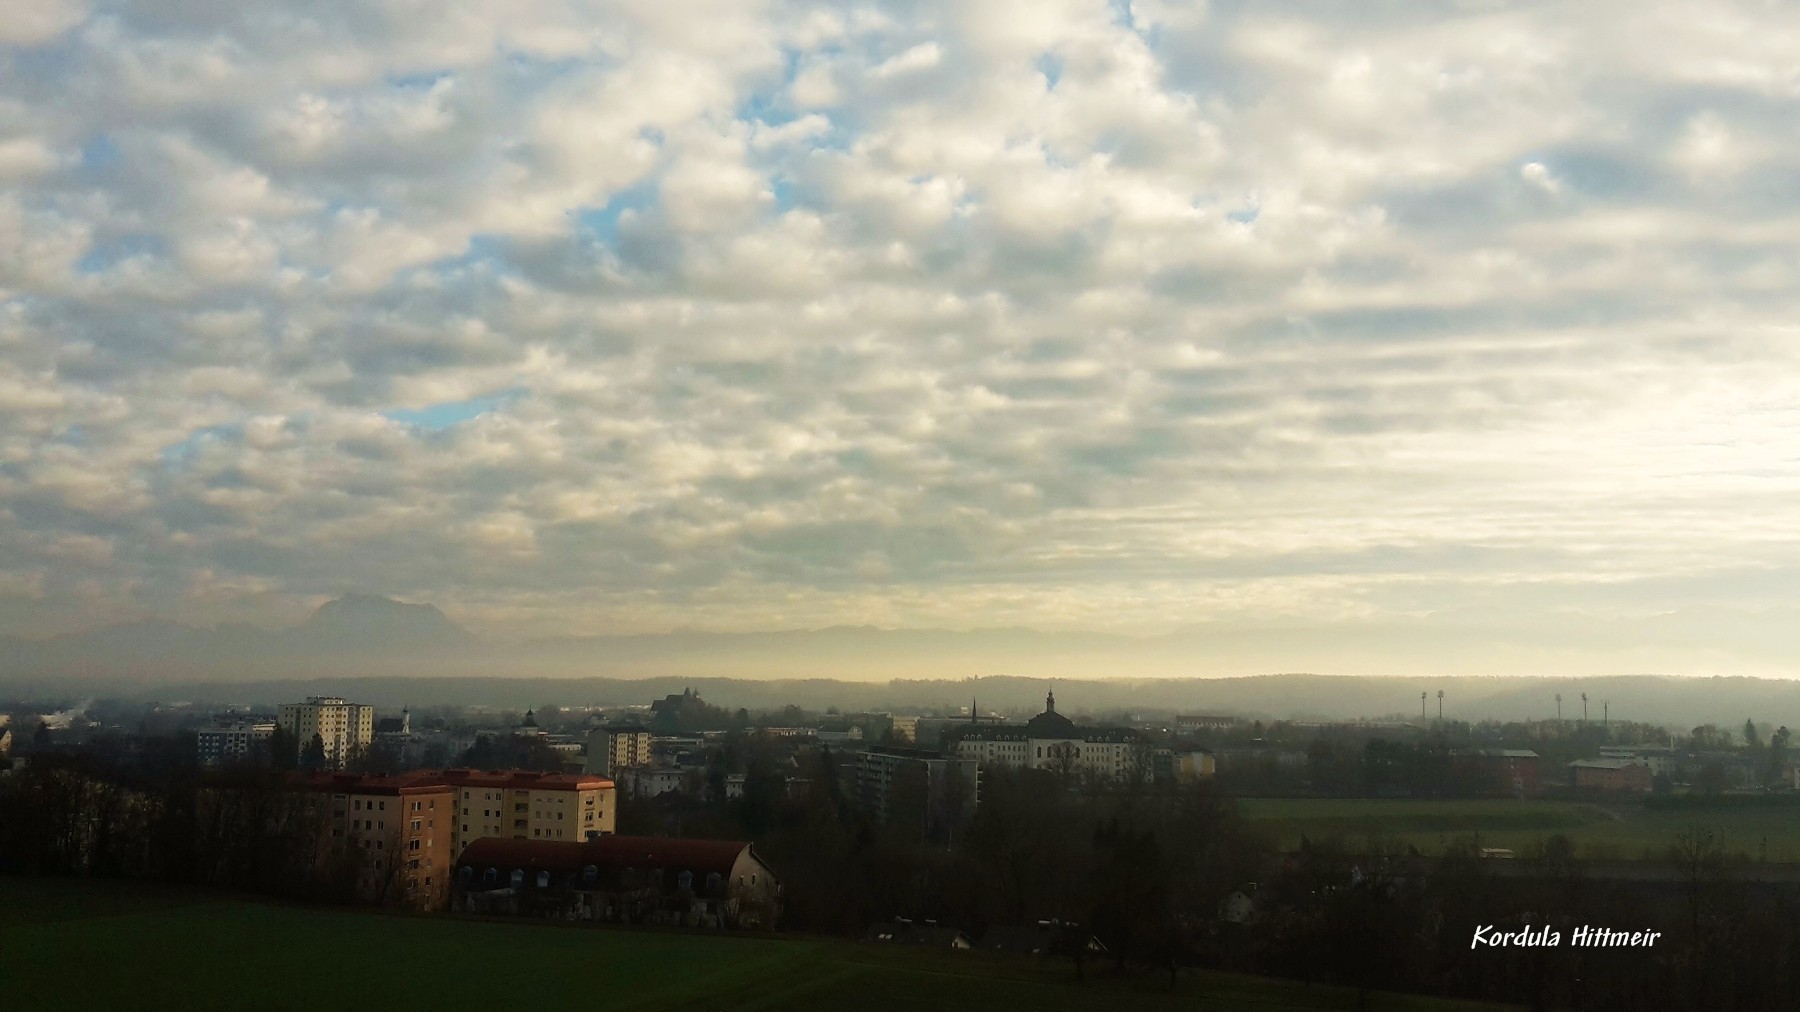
pixel 1607 832
pixel 72 945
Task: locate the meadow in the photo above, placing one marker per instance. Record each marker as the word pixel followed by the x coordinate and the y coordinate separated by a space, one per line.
pixel 87 944
pixel 1623 832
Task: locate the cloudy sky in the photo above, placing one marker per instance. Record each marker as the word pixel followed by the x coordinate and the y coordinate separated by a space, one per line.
pixel 620 317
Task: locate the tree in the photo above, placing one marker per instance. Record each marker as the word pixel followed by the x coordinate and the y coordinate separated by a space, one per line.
pixel 284 749
pixel 312 758
pixel 1750 738
pixel 1778 746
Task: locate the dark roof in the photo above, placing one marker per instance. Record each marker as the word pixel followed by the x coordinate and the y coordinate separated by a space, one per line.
pixel 643 852
pixel 388 724
pixel 368 783
pixel 1051 724
pixel 520 779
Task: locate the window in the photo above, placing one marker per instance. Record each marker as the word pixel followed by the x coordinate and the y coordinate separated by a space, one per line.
pixel 518 877
pixel 543 880
pixel 465 827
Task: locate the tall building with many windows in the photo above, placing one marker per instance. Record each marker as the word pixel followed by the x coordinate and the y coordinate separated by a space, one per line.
pixel 936 791
pixel 344 727
pixel 611 749
pixel 397 831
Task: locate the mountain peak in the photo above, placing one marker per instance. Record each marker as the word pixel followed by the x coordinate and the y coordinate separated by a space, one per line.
pixel 372 620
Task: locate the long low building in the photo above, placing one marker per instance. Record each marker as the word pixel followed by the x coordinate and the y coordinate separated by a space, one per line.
pixel 1051 741
pixel 525 805
pixel 630 879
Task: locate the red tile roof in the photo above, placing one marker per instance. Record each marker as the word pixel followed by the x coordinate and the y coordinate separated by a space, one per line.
pixel 520 779
pixel 369 783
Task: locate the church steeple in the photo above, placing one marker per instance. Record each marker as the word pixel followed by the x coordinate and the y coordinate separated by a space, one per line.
pixel 1050 701
pixel 974 714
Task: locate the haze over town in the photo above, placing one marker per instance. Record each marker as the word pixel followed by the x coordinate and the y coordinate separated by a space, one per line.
pixel 1363 342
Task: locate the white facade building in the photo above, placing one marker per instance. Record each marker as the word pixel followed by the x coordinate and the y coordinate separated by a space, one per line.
pixel 228 742
pixel 344 727
pixel 1051 741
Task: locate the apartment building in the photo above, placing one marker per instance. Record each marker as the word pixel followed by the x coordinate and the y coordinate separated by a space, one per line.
pixel 894 782
pixel 525 805
pixel 228 742
pixel 343 726
pixel 611 749
pixel 398 831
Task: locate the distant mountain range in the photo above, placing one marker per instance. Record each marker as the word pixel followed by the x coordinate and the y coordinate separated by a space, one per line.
pixel 391 653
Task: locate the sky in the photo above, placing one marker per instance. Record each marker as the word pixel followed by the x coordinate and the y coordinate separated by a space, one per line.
pixel 1130 317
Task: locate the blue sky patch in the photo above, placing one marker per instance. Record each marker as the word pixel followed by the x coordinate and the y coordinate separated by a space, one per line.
pixel 437 417
pixel 603 222
pixel 183 452
pixel 105 254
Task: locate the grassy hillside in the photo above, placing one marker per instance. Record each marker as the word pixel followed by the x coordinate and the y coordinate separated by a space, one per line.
pixel 100 945
pixel 1612 832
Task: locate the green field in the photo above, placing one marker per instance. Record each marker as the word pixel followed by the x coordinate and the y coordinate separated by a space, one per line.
pixel 1601 832
pixel 73 945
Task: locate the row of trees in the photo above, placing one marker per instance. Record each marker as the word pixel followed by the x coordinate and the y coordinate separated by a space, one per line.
pixel 240 829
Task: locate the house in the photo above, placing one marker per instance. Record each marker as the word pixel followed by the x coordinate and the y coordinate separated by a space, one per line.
pixel 1237 908
pixel 925 934
pixel 1183 766
pixel 1659 758
pixel 1513 772
pixel 1204 722
pixel 1614 775
pixel 650 781
pixel 627 879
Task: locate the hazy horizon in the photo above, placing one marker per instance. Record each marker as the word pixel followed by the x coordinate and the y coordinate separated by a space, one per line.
pixel 1233 338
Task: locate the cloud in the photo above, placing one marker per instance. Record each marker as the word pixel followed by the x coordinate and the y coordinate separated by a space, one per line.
pixel 1079 315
